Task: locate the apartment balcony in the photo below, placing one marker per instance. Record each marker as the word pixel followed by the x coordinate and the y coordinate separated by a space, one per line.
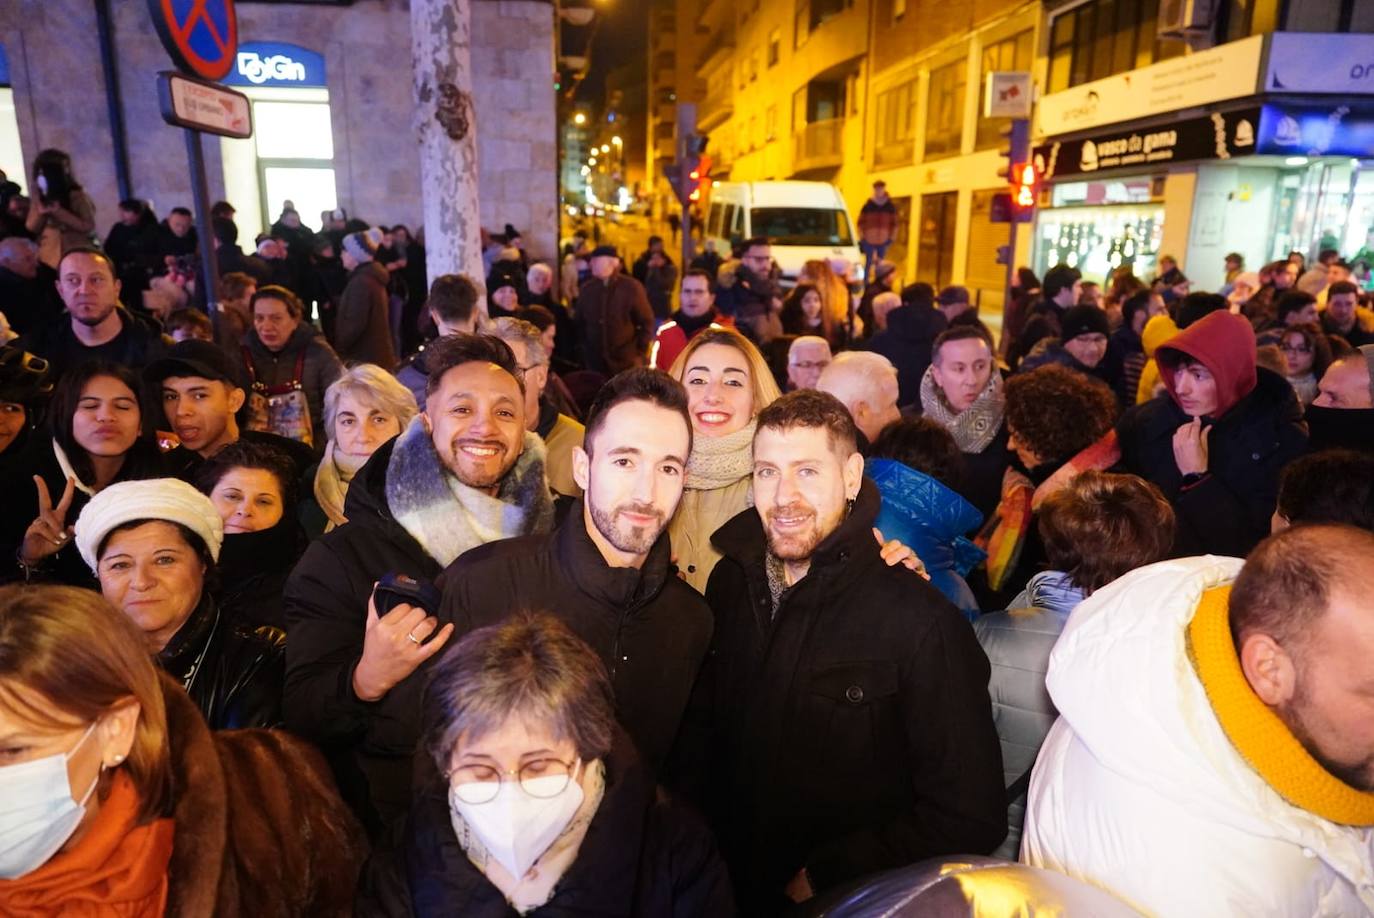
pixel 818 145
pixel 894 153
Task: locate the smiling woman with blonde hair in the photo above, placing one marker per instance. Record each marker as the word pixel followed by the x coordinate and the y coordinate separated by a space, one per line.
pixel 728 383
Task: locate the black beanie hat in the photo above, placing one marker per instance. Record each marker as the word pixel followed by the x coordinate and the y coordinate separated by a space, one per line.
pixel 1084 320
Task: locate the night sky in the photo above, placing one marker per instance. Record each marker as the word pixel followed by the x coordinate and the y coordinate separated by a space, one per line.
pixel 619 35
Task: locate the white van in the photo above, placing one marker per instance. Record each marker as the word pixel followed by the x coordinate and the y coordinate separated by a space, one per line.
pixel 803 220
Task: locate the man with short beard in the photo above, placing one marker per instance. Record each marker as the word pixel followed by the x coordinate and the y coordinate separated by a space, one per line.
pixel 1214 753
pixel 96 326
pixel 850 729
pixel 464 473
pixel 606 570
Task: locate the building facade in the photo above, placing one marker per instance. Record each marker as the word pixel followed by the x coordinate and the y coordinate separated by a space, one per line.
pixel 1256 114
pixel 331 87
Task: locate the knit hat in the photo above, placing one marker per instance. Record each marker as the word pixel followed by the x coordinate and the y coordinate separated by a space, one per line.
pixel 165 499
pixel 1084 320
pixel 606 250
pixel 361 246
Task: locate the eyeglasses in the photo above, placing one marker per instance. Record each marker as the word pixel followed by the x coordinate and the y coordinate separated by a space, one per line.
pixel 1295 349
pixel 811 364
pixel 540 778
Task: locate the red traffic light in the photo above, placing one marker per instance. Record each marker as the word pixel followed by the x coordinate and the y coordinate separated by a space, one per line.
pixel 1024 181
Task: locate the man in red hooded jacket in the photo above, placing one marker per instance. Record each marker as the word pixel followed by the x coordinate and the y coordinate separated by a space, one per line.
pixel 1217 441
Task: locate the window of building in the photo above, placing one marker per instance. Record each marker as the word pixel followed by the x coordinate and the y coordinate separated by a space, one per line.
pixel 896 127
pixel 754 67
pixel 1014 53
pixel 770 123
pixel 898 10
pixel 774 47
pixel 945 110
pixel 935 244
pixel 1105 37
pixel 812 14
pixel 1328 16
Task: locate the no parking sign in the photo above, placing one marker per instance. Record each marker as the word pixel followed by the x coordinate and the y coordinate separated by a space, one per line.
pixel 200 35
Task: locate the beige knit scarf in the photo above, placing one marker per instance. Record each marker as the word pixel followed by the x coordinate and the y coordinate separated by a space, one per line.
pixel 977 425
pixel 719 461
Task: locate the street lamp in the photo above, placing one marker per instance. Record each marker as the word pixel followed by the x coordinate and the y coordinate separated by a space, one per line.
pixel 616 140
pixel 579 118
pixel 605 148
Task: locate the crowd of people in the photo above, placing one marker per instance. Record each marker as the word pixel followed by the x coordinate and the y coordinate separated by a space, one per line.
pixel 536 594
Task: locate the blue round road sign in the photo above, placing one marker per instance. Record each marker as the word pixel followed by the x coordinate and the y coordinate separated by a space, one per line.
pixel 200 35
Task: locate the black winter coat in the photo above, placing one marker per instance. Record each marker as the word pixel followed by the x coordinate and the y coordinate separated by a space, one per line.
pixel 1042 322
pixel 643 856
pixel 649 627
pixel 907 340
pixel 233 673
pixel 252 572
pixel 983 474
pixel 848 734
pixel 138 344
pixel 615 324
pixel 369 743
pixel 1227 512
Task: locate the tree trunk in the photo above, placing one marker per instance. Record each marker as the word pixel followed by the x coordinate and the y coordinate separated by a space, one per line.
pixel 445 124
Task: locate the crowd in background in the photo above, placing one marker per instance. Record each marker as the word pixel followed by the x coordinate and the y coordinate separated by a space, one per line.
pixel 653 589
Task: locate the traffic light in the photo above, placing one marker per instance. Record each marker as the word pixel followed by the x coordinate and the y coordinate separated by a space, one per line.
pixel 1025 183
pixel 691 176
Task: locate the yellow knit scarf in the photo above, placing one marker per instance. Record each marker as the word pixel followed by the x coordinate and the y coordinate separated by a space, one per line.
pixel 1258 734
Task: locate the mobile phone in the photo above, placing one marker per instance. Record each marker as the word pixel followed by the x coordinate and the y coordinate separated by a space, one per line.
pixel 395 589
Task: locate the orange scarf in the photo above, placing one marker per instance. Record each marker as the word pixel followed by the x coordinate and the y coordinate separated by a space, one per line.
pixel 118 870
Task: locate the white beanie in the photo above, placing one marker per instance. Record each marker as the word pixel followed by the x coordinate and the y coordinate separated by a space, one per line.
pixel 361 246
pixel 167 499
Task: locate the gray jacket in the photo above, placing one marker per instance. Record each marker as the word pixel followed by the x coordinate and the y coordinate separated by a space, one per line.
pixel 1018 643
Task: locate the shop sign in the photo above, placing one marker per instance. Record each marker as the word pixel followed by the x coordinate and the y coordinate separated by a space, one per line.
pixel 203 106
pixel 1320 62
pixel 1221 135
pixel 1227 71
pixel 1307 131
pixel 200 36
pixel 275 63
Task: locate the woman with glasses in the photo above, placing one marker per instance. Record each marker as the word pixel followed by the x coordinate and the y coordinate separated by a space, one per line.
pixel 537 802
pixel 1306 354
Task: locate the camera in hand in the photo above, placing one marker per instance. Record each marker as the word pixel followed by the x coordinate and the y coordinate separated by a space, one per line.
pixel 396 589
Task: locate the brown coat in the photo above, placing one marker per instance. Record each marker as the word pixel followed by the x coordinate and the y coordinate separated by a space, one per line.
pixel 362 329
pixel 260 828
pixel 616 324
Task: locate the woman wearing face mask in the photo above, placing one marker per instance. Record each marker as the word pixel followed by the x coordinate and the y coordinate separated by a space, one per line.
pixel 252 485
pixel 728 383
pixel 115 798
pixel 536 802
pixel 98 438
pixel 363 408
pixel 154 544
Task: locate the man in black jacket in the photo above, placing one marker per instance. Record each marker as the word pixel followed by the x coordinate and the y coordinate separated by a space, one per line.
pixel 95 326
pixel 465 472
pixel 907 341
pixel 615 322
pixel 844 704
pixel 605 570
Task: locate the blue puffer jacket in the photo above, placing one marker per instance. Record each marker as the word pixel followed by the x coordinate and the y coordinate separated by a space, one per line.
pixel 930 519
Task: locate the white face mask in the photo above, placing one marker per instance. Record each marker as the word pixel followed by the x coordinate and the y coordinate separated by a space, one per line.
pixel 37 812
pixel 516 828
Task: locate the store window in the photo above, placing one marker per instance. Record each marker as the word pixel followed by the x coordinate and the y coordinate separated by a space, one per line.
pixel 1097 227
pixel 945 110
pixel 1014 53
pixel 1105 37
pixel 291 154
pixel 11 154
pixel 1328 16
pixel 935 245
pixel 896 131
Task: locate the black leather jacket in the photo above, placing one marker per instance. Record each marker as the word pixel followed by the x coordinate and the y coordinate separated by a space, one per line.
pixel 233 673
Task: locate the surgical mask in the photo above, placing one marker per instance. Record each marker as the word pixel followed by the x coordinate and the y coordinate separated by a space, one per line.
pixel 515 827
pixel 37 812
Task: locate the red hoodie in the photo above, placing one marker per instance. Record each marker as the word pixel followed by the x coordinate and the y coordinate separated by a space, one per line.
pixel 1225 345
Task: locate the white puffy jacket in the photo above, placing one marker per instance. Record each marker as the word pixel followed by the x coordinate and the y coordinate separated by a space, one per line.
pixel 1138 789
